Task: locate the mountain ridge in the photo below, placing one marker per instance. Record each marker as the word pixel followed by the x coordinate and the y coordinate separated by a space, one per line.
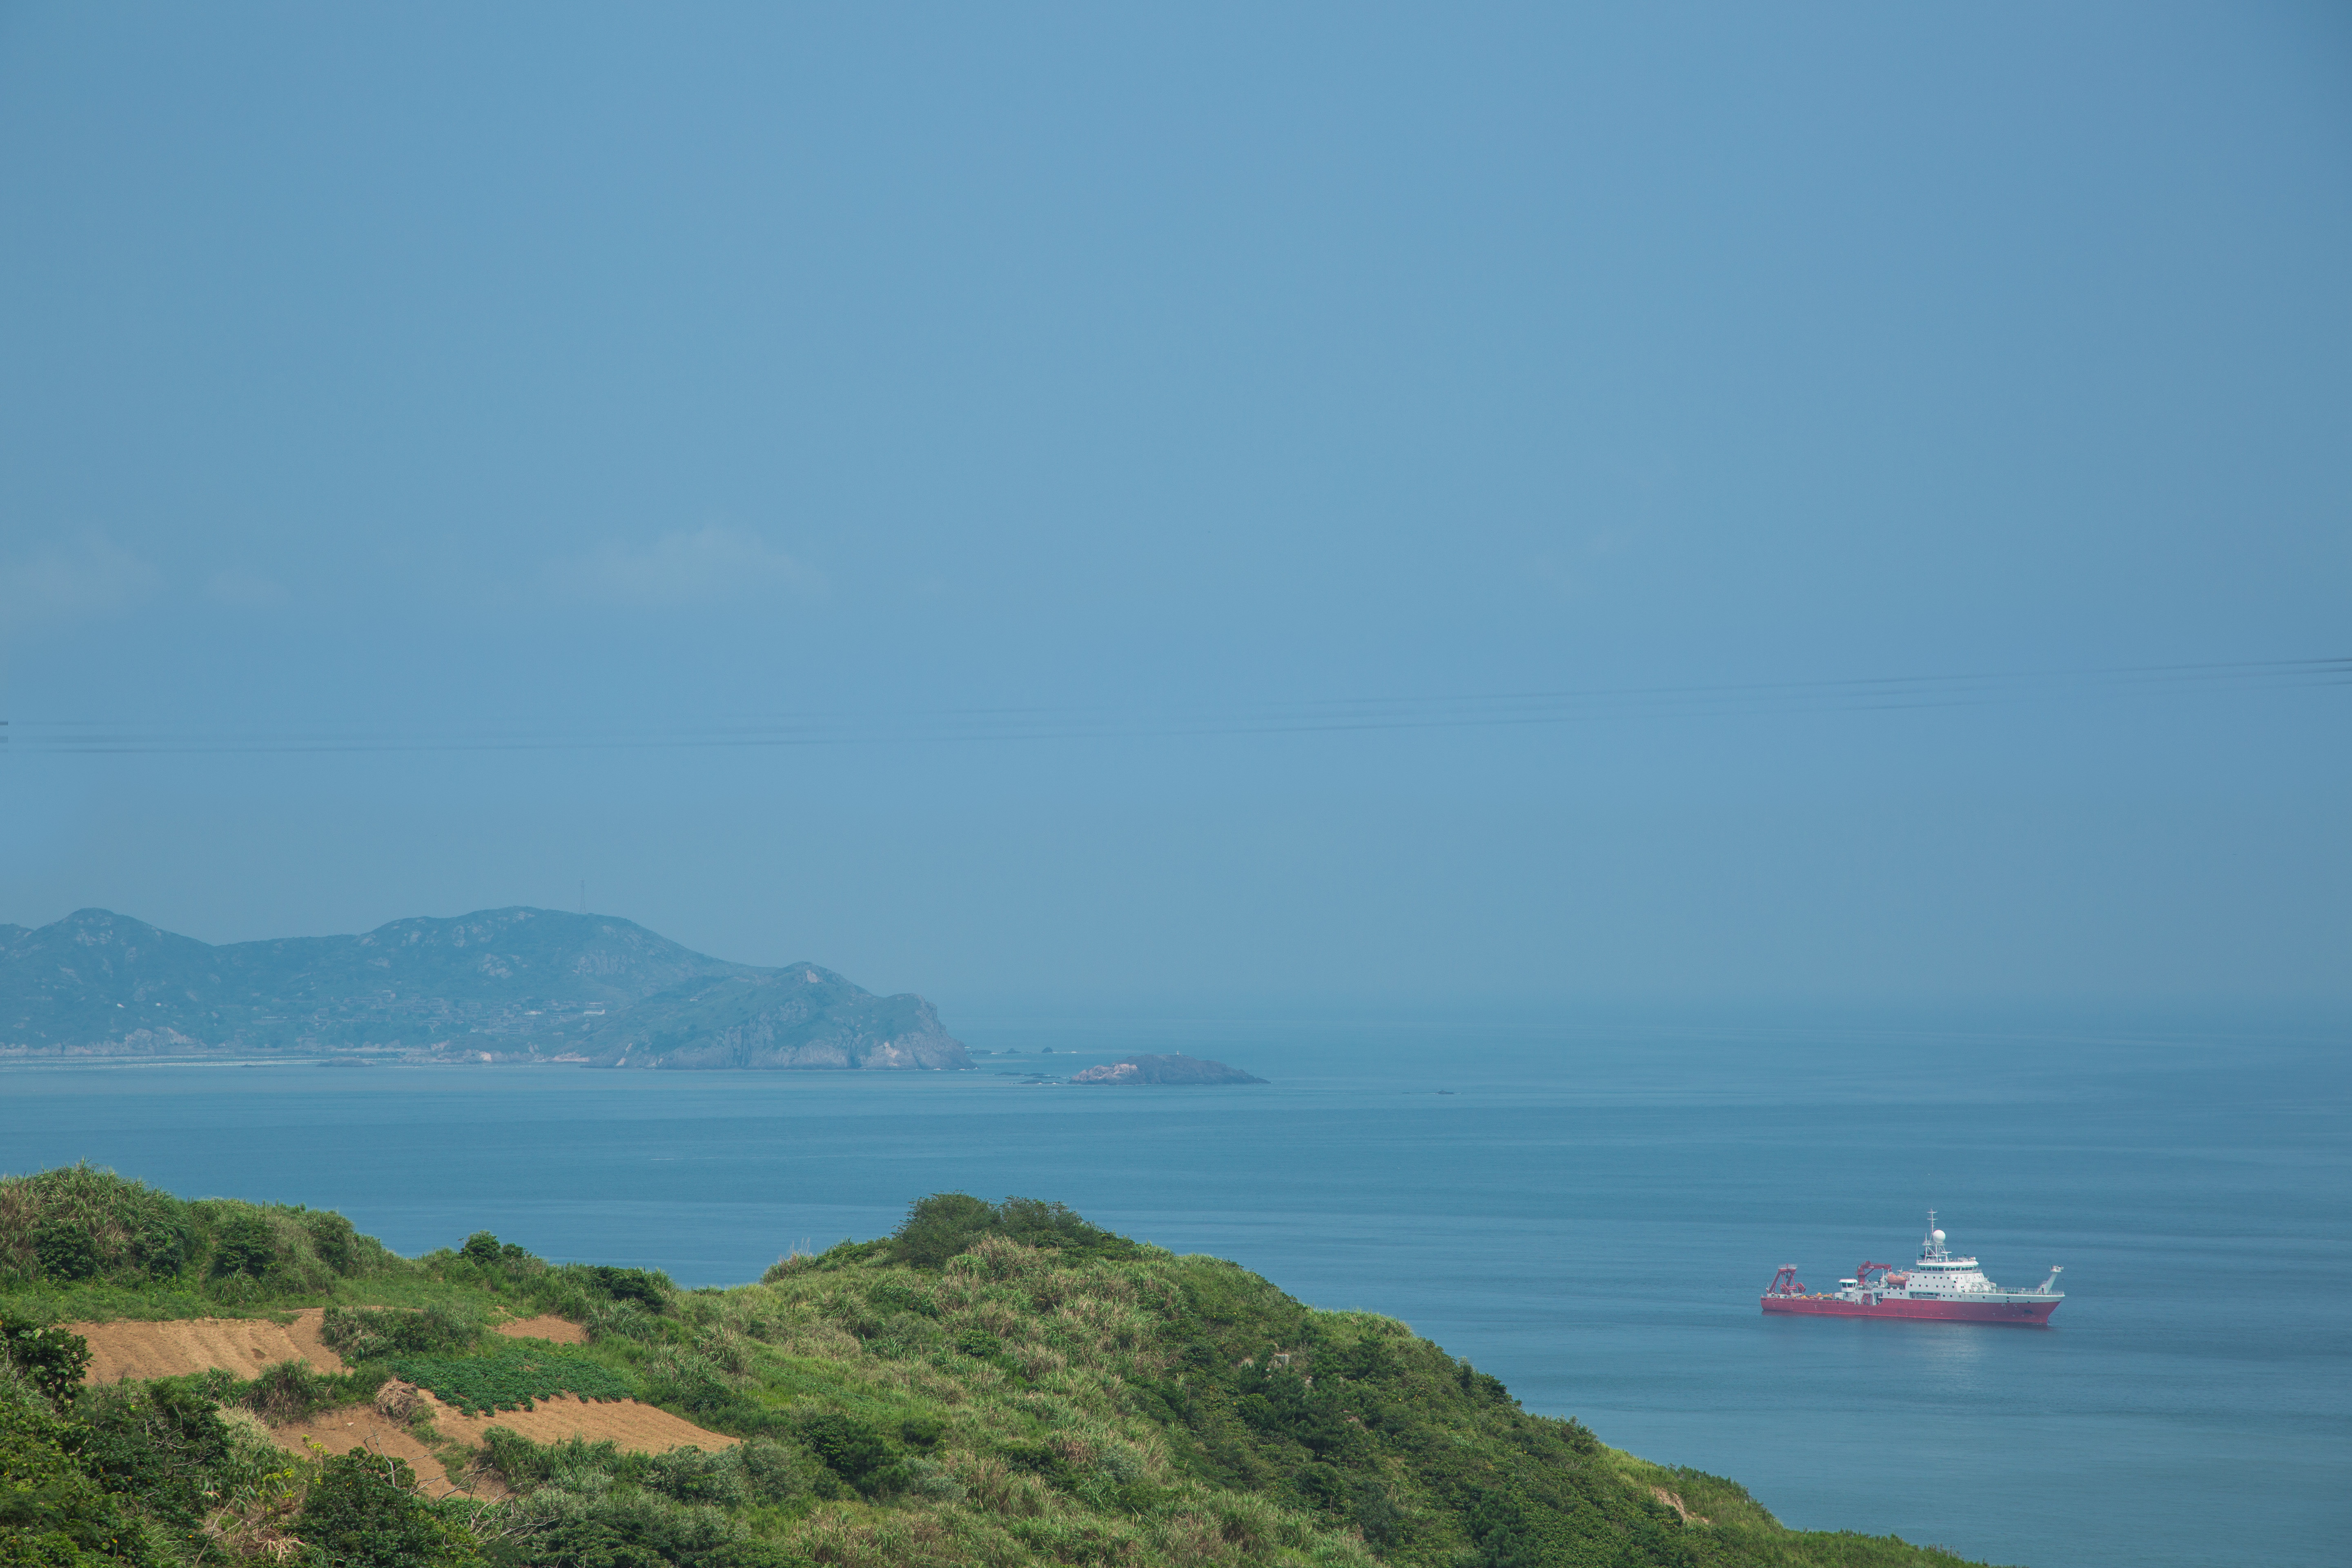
pixel 518 984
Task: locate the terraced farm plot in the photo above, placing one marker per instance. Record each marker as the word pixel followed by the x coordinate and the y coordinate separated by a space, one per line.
pixel 637 1428
pixel 138 1349
pixel 511 1380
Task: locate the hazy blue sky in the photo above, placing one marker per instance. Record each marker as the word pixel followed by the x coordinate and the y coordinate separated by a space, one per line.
pixel 1032 413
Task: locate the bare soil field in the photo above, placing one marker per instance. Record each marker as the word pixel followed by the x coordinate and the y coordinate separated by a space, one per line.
pixel 562 1330
pixel 637 1428
pixel 240 1345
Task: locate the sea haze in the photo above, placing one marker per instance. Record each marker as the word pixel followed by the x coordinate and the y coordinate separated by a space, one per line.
pixel 1590 1215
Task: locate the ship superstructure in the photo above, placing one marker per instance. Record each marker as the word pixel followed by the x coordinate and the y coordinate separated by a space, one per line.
pixel 1937 1286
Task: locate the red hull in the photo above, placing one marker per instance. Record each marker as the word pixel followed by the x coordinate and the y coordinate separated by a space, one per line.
pixel 2030 1314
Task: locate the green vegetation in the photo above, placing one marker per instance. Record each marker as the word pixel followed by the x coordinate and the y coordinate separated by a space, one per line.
pixel 939 1226
pixel 511 1379
pixel 131 1251
pixel 998 1384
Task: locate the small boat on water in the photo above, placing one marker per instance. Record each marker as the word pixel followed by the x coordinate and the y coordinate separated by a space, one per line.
pixel 1938 1286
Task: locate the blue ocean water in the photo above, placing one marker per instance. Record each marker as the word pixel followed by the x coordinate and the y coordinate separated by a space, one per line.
pixel 1589 1214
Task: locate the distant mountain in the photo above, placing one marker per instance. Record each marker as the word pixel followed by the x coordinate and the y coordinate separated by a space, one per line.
pixel 514 984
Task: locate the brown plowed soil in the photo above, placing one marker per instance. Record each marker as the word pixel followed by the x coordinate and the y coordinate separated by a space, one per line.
pixel 637 1428
pixel 239 1346
pixel 361 1426
pixel 562 1331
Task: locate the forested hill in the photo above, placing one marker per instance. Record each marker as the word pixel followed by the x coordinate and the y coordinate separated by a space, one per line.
pixel 512 985
pixel 995 1384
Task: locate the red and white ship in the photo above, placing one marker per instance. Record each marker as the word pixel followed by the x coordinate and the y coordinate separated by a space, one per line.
pixel 1939 1285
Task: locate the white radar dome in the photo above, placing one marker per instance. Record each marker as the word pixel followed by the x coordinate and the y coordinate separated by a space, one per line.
pixel 1935 1236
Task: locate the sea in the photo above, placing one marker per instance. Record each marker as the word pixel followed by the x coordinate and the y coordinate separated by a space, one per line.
pixel 1588 1210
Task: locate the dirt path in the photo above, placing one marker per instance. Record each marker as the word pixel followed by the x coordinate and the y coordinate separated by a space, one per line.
pixel 240 1345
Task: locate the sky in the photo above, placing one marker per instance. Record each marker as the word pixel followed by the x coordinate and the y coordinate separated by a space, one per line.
pixel 1343 508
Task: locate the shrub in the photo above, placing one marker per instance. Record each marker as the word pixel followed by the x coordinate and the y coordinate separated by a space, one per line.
pixel 51 1511
pixel 364 1511
pixel 167 1445
pixel 898 1295
pixel 363 1334
pixel 691 1382
pixel 943 1224
pixel 67 1252
pixel 938 1227
pixel 523 1463
pixel 772 1472
pixel 162 1244
pixel 52 1359
pixel 647 1286
pixel 244 1248
pixel 690 1475
pixel 335 1240
pixel 849 1447
pixel 639 1530
pixel 78 1222
pixel 290 1390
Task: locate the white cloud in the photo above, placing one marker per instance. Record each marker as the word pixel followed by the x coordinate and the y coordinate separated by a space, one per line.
pixel 244 590
pixel 62 583
pixel 707 565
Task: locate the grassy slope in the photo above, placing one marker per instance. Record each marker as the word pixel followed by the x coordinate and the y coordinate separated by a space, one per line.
pixel 1021 1405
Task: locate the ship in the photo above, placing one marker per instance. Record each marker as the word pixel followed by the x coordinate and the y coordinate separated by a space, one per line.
pixel 1938 1286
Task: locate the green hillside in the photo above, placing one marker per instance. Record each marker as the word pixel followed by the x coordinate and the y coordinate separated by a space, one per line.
pixel 997 1384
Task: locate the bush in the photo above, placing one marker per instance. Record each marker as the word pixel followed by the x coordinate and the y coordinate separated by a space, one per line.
pixel 67 1252
pixel 290 1390
pixel 161 1245
pixel 78 1222
pixel 364 1334
pixel 335 1240
pixel 364 1511
pixel 691 1382
pixel 523 1463
pixel 245 1247
pixel 939 1226
pixel 849 1447
pixel 51 1512
pixel 52 1359
pixel 690 1475
pixel 166 1445
pixel 647 1286
pixel 640 1530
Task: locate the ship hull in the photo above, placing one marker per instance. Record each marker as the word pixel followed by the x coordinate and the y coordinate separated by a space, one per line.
pixel 2025 1314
